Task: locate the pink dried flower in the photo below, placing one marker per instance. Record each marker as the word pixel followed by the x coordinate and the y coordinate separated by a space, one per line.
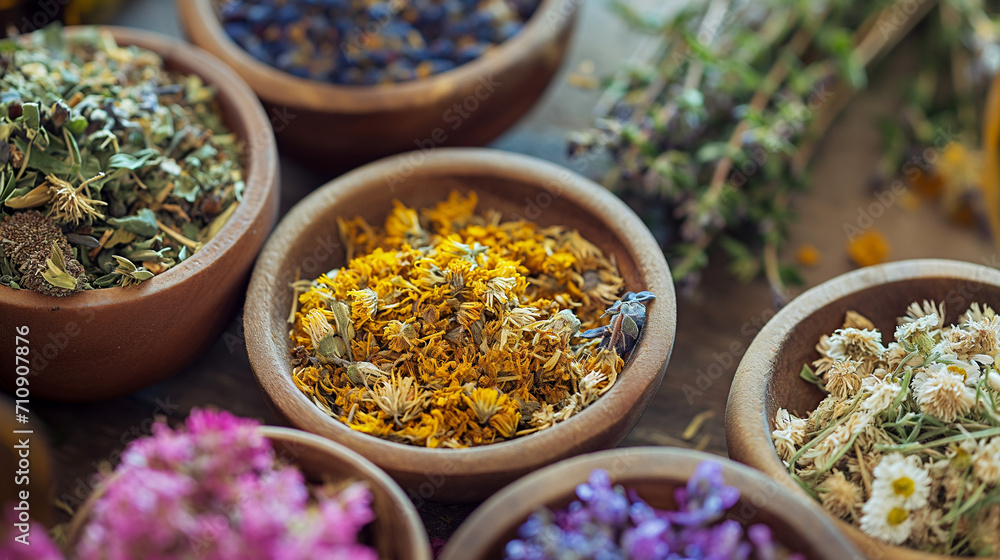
pixel 34 545
pixel 212 490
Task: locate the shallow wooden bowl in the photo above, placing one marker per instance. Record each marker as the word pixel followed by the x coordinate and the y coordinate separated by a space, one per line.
pixel 654 472
pixel 768 377
pixel 338 127
pixel 397 532
pixel 306 241
pixel 104 343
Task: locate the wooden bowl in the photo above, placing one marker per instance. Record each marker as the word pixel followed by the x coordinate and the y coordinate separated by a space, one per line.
pixel 306 240
pixel 654 472
pixel 768 377
pixel 397 532
pixel 109 342
pixel 338 127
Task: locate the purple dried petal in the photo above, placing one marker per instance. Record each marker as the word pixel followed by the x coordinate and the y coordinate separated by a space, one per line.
pixel 648 540
pixel 763 541
pixel 610 523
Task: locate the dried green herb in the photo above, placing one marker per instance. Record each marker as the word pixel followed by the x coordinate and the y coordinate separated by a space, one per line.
pixel 710 137
pixel 112 168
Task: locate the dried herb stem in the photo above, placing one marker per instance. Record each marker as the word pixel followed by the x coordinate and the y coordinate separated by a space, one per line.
pixel 193 245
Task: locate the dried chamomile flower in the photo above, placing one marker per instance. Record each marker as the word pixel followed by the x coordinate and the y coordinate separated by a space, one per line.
pixel 902 480
pixel 840 496
pixel 854 343
pixel 843 378
pixel 855 320
pixel 976 312
pixel 917 311
pixel 986 461
pixel 789 433
pixel 887 521
pixel 944 395
pixel 905 444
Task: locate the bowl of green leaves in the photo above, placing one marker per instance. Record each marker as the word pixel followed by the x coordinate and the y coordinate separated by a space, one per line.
pixel 138 181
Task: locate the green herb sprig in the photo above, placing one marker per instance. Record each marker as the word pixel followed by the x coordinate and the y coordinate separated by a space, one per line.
pixel 712 138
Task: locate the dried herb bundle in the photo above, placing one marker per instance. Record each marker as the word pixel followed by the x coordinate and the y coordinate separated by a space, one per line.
pixel 711 139
pixel 112 169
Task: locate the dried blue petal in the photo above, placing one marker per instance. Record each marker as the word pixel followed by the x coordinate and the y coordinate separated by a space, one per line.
pixel 355 42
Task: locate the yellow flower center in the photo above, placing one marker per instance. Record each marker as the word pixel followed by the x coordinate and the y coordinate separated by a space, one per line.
pixel 898 516
pixel 961 460
pixel 959 371
pixel 903 486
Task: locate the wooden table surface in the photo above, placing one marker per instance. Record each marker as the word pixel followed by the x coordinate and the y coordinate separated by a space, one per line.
pixel 716 323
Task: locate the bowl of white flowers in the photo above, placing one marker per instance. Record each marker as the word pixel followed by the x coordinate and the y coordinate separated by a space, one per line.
pixel 876 395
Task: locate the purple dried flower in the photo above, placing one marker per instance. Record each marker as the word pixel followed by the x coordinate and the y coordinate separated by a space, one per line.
pixel 705 498
pixel 648 540
pixel 604 503
pixel 610 523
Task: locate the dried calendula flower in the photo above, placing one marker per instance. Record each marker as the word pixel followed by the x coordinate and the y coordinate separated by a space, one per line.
pixel 808 255
pixel 868 249
pixel 451 329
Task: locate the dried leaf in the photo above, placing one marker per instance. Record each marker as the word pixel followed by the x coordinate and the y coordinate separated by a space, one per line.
pixel 142 223
pixel 36 197
pixel 56 274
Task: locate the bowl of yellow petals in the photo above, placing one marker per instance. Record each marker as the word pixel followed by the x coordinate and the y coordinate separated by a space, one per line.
pixel 461 318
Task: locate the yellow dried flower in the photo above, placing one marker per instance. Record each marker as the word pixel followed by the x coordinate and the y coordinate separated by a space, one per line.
pixel 840 496
pixel 868 249
pixel 401 336
pixel 451 329
pixel 484 403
